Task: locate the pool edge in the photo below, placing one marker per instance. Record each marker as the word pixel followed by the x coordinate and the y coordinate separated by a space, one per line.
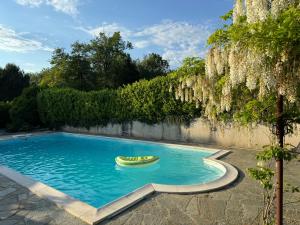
pixel 92 215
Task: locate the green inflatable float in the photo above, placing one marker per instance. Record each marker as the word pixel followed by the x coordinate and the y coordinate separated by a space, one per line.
pixel 136 161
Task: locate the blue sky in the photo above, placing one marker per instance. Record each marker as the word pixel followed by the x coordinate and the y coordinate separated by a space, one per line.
pixel 31 29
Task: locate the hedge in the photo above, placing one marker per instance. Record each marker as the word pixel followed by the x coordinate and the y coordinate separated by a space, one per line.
pixel 24 112
pixel 145 101
pixel 4 113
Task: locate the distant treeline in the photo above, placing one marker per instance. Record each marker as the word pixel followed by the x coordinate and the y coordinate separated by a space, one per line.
pixel 104 62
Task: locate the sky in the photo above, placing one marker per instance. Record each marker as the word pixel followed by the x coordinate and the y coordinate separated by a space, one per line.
pixel 175 29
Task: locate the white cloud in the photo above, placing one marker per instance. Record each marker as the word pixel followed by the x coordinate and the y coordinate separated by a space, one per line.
pixel 29 67
pixel 31 3
pixel 177 40
pixel 141 44
pixel 65 6
pixel 109 29
pixel 12 41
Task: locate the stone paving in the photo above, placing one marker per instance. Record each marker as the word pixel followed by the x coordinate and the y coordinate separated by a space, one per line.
pixel 18 206
pixel 236 205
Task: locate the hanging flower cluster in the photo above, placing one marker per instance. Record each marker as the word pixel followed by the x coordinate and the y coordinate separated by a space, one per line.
pixel 279 5
pixel 241 64
pixel 188 90
pixel 238 10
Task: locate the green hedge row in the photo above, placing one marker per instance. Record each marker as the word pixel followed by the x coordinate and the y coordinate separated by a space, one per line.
pixel 145 101
pixel 23 112
pixel 4 113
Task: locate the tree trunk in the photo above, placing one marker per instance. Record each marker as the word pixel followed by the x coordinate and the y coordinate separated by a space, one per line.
pixel 279 162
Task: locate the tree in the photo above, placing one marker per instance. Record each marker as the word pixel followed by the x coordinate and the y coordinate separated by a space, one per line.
pixel 12 82
pixel 70 70
pixel 255 60
pixel 55 76
pixel 79 74
pixel 101 63
pixel 152 65
pixel 111 63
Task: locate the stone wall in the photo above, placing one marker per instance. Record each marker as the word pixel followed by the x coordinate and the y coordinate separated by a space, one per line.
pixel 199 131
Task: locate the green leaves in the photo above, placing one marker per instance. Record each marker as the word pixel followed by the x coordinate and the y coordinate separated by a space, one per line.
pixel 23 112
pixel 227 16
pixel 12 82
pixel 191 66
pixel 263 175
pixel 277 153
pixel 4 113
pixel 273 35
pixel 152 65
pixel 255 111
pixel 145 101
pixel 219 37
pixel 103 62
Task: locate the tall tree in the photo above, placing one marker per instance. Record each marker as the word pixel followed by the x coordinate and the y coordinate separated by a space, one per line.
pixel 110 61
pixel 152 65
pixel 79 73
pixel 12 81
pixel 55 76
pixel 101 63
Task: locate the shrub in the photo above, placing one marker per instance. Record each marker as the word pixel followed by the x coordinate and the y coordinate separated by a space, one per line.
pixel 4 114
pixel 23 112
pixel 58 107
pixel 151 102
pixel 145 101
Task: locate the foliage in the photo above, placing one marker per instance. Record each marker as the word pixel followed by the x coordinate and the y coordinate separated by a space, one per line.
pixel 69 70
pixel 112 64
pixel 101 63
pixel 12 82
pixel 145 101
pixel 191 66
pixel 4 114
pixel 58 107
pixel 152 65
pixel 276 152
pixel 262 56
pixel 151 102
pixel 264 174
pixel 227 16
pixel 252 72
pixel 256 111
pixel 23 112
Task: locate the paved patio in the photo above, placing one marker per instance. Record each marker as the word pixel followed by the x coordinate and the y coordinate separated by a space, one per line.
pixel 237 205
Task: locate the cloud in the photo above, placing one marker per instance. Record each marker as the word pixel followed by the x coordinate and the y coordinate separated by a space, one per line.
pixel 176 40
pixel 141 44
pixel 29 67
pixel 12 41
pixel 31 3
pixel 66 6
pixel 107 28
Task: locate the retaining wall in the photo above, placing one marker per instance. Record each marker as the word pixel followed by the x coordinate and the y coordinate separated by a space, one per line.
pixel 199 131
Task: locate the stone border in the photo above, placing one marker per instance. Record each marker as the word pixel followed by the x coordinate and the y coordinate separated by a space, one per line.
pixel 92 215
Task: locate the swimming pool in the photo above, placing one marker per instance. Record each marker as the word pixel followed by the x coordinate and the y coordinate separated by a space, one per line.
pixel 83 166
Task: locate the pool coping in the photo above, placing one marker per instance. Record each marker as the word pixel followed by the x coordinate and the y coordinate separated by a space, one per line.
pixel 93 215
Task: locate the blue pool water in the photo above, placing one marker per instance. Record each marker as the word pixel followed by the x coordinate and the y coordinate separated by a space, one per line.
pixel 84 166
